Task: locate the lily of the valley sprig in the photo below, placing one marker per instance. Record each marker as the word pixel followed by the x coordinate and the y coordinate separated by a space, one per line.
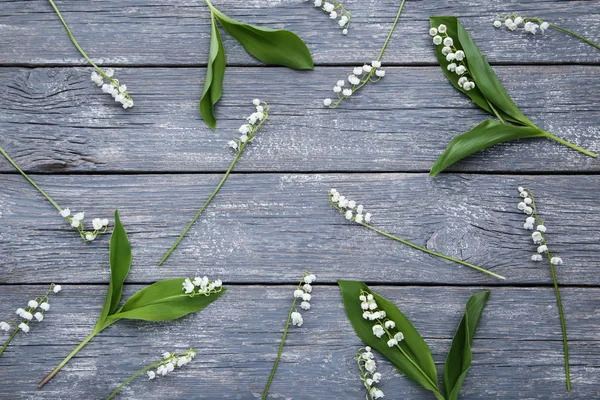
pixel 271 46
pixel 99 225
pixel 383 327
pixel 162 301
pixel 361 75
pixel 531 25
pixel 357 213
pixel 468 71
pixel 36 309
pixel 534 222
pixel 368 372
pixel 112 86
pixel 166 365
pixel 335 9
pixel 248 132
pixel 302 293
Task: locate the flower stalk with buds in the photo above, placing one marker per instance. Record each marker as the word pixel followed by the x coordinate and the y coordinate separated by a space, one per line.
pixel 248 133
pixel 117 90
pixel 302 293
pixel 356 213
pixel 368 372
pixel 534 222
pixel 531 25
pixel 36 309
pixel 100 225
pixel 361 75
pixel 335 9
pixel 167 364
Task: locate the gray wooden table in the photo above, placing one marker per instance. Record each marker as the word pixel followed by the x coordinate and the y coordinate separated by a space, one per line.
pixel 157 163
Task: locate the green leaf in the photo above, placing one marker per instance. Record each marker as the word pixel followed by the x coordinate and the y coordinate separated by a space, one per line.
pixel 459 357
pixel 416 362
pixel 163 301
pixel 484 135
pixel 213 82
pixel 120 262
pixel 489 94
pixel 272 46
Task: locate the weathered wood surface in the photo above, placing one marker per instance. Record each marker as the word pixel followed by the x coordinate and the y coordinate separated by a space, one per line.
pixel 517 352
pixel 177 32
pixel 57 120
pixel 271 227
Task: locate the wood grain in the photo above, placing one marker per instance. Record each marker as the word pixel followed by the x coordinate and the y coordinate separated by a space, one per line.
pixel 56 120
pixel 271 227
pixel 153 32
pixel 517 352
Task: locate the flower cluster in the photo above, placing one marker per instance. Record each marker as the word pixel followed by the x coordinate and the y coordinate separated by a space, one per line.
pixel 384 325
pixel 368 372
pixel 455 57
pixel 527 205
pixel 113 87
pixel 35 309
pixel 335 10
pixel 100 225
pixel 360 77
pixel 201 286
pixel 303 292
pixel 513 22
pixel 348 208
pixel 170 361
pixel 248 131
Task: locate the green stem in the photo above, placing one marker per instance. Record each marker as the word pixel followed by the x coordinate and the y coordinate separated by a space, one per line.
pixel 562 325
pixel 495 111
pixel 14 164
pixel 569 144
pixel 75 351
pixel 285 331
pixel 391 31
pixel 214 193
pixel 576 35
pixel 9 340
pixel 423 249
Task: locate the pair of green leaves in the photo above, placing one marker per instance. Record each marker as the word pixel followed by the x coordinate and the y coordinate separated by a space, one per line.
pixel 271 46
pixel 489 95
pixel 161 301
pixel 416 361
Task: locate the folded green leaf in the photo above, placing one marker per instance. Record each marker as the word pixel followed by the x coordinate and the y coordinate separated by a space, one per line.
pixel 272 46
pixel 162 301
pixel 120 262
pixel 458 360
pixel 215 71
pixel 415 360
pixel 489 94
pixel 486 134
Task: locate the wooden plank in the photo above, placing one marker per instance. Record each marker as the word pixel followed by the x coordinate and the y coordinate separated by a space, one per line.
pixel 271 227
pixel 56 120
pixel 177 33
pixel 517 352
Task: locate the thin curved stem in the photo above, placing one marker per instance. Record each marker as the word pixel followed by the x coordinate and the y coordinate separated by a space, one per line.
pixel 9 340
pixel 387 40
pixel 563 326
pixel 569 144
pixel 495 111
pixel 434 253
pixel 199 213
pixel 575 35
pixel 14 164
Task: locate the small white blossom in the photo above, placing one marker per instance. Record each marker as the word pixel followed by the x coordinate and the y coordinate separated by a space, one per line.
pixel 497 24
pixel 188 286
pixel 541 228
pixel 367 68
pixel 348 215
pixel 536 257
pixel 376 64
pixel 537 237
pixel 376 393
pixel 437 40
pixel 4 326
pixel 399 336
pixel 544 26
pixel 392 342
pixel 32 304
pixel 380 73
pixel 65 212
pixel 442 28
pixel 256 102
pixel 528 210
pixel 233 144
pixel 45 306
pixel 347 92
pixel 378 330
pixel 151 374
pixel 306 296
pixel 310 278
pixel 38 316
pixel 556 261
pixel 57 288
pixel 24 327
pixel 305 305
pixel 448 41
pixel 433 31
pixel 390 324
pixel 333 15
pixel 359 218
pixel 542 248
pixel 368 217
pixel 90 237
pixel 327 102
pixel 370 366
pixel 297 319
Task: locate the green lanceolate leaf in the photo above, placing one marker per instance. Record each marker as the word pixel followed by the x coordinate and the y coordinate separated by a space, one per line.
pixel 459 357
pixel 163 301
pixel 489 94
pixel 120 262
pixel 272 46
pixel 415 361
pixel 484 135
pixel 213 82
